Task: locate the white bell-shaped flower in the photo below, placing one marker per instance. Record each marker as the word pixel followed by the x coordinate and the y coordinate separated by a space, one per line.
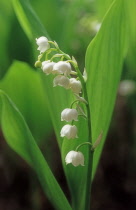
pixel 76 158
pixel 69 115
pixel 69 131
pixel 61 81
pixel 47 67
pixel 43 44
pixel 75 85
pixel 62 67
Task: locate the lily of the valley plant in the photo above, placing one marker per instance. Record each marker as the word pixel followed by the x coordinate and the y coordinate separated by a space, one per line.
pixel 67 75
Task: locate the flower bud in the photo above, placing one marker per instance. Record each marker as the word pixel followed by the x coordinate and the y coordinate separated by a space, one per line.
pixel 75 85
pixel 47 67
pixel 76 158
pixel 38 64
pixel 62 67
pixel 70 131
pixel 69 115
pixel 43 44
pixel 61 81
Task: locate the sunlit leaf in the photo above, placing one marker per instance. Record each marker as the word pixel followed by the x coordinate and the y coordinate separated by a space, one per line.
pixel 102 7
pixel 104 58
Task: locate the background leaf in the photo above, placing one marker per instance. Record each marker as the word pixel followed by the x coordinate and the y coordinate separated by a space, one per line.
pixel 20 139
pixel 6 17
pixel 25 88
pixel 24 12
pixel 104 58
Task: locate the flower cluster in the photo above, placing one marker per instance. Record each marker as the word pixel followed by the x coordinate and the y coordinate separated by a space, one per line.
pixel 63 71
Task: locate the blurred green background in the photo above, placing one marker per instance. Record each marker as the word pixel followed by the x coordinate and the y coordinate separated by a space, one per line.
pixel 73 24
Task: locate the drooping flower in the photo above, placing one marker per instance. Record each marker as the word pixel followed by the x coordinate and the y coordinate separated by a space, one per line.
pixel 69 131
pixel 47 67
pixel 75 85
pixel 76 158
pixel 43 44
pixel 69 115
pixel 61 81
pixel 62 67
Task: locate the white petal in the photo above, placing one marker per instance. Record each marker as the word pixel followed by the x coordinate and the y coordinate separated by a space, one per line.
pixel 69 157
pixel 78 159
pixel 47 67
pixel 75 85
pixel 43 44
pixel 74 157
pixel 61 81
pixel 69 115
pixel 62 67
pixel 69 131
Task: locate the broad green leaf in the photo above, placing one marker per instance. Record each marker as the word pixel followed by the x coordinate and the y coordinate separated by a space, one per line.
pixel 104 58
pixel 24 87
pixel 20 139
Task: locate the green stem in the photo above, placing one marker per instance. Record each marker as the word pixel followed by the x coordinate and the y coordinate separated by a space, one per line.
pixel 90 156
pixel 73 103
pixel 82 115
pixel 60 51
pixel 85 143
pixel 90 153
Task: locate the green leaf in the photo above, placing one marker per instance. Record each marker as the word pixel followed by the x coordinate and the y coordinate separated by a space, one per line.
pixel 24 87
pixel 102 6
pixel 104 58
pixel 20 139
pixel 28 19
pixel 6 17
